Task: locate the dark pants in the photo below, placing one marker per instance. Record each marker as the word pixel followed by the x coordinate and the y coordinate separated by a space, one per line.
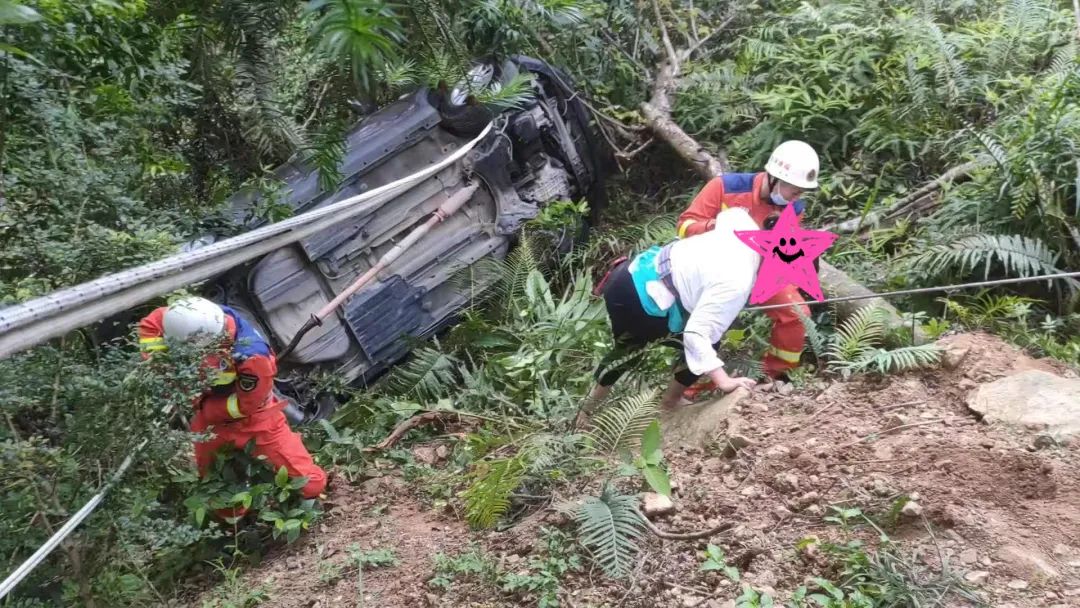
pixel 633 329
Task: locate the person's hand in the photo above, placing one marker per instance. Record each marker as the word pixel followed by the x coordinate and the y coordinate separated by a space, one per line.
pixel 709 225
pixel 729 384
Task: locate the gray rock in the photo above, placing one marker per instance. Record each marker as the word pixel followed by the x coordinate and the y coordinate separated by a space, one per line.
pixel 911 509
pixel 1028 562
pixel 700 424
pixel 953 355
pixel 1017 585
pixel 786 482
pixel 1031 398
pixel 785 388
pixel 969 556
pixel 655 505
pixel 977 577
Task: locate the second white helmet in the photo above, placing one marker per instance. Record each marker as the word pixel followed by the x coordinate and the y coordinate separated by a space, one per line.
pixel 190 316
pixel 796 163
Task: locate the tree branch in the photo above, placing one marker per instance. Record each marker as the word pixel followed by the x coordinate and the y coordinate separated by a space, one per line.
pixel 683 535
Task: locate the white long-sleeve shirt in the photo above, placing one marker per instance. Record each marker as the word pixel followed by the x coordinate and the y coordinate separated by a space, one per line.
pixel 713 273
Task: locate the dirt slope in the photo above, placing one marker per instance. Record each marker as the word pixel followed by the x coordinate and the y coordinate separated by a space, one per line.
pixel 988 505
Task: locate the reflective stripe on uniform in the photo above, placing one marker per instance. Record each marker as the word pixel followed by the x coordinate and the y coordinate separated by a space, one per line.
pixel 152 344
pixel 684 226
pixel 233 407
pixel 225 377
pixel 785 355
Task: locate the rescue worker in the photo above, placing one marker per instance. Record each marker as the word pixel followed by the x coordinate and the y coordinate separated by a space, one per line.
pixel 240 404
pixel 791 170
pixel 693 288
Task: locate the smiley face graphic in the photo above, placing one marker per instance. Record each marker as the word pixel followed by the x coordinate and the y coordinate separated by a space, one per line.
pixel 786 250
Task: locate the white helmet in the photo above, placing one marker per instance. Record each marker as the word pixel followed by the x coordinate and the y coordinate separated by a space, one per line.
pixel 189 316
pixel 796 163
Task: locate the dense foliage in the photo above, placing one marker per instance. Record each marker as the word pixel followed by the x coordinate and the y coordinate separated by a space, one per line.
pixel 126 124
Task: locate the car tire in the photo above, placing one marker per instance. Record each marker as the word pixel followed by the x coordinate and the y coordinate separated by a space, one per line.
pixel 466 120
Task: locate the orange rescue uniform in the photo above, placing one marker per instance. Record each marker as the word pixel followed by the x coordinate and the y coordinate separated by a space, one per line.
pixel 241 404
pixel 744 190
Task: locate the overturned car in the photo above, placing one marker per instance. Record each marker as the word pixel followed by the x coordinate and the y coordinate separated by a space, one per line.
pixel 537 153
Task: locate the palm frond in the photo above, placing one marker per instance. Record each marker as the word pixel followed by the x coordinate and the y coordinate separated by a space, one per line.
pixel 619 426
pixel 514 94
pixel 858 335
pixel 1017 255
pixel 428 376
pixel 610 526
pixel 364 33
pixel 488 497
pixel 884 361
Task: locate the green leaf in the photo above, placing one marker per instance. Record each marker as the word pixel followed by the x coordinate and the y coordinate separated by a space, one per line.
pixel 657 479
pixel 732 573
pixel 200 516
pixel 12 13
pixel 710 565
pixel 281 480
pixel 270 516
pixel 650 443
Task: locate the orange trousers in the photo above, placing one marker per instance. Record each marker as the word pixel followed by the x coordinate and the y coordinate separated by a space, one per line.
pixel 273 439
pixel 788 332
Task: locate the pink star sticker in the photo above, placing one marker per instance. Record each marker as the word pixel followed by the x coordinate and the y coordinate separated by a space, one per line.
pixel 788 254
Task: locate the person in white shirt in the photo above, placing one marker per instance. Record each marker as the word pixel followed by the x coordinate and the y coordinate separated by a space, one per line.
pixel 693 288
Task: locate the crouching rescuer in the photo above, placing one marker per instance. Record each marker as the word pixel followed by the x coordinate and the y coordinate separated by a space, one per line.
pixel 240 403
pixel 693 288
pixel 791 170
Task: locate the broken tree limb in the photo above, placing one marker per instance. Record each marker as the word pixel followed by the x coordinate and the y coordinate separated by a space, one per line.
pixel 431 417
pixel 913 200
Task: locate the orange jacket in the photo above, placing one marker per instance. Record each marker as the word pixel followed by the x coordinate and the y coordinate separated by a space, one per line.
pixel 246 375
pixel 728 190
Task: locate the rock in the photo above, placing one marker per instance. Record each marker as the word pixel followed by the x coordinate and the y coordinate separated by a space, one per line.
pixel 699 424
pixel 431 599
pixel 749 491
pixel 777 451
pixel 1044 441
pixel 977 577
pixel 1072 592
pixel 785 388
pixel 987 443
pixel 719 604
pixel 736 442
pixel 895 421
pixel 911 509
pixel 1017 585
pixel 814 510
pixel 759 408
pixel 794 451
pixel 1031 397
pixel 442 452
pixel 967 383
pixel 1027 562
pixel 655 505
pixel 953 355
pixel 425 454
pixel 690 601
pixel 293 563
pixel 786 482
pixel 969 556
pixel 1061 550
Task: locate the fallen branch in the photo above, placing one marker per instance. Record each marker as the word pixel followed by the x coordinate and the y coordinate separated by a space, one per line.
pixel 912 200
pixel 683 535
pixel 442 416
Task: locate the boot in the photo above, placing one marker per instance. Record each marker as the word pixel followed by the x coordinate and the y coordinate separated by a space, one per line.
pixel 673 396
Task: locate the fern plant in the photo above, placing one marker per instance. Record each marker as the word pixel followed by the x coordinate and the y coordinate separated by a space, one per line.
pixel 620 426
pixel 610 527
pixel 429 375
pixel 488 497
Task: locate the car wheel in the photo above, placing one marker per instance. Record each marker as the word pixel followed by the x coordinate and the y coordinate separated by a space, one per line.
pixel 461 114
pixel 466 120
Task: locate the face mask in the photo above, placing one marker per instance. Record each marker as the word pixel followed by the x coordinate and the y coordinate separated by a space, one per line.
pixel 776 199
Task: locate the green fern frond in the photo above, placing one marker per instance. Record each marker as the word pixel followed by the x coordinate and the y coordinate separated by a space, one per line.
pixel 1064 59
pixel 619 426
pixel 1018 255
pixel 514 94
pixel 897 360
pixel 488 497
pixel 428 376
pixel 610 526
pixel 857 335
pixel 818 340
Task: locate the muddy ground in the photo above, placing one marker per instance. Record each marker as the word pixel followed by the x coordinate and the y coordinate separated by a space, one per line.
pixel 993 507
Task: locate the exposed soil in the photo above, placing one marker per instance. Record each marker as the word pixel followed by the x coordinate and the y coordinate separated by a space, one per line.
pixel 989 505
